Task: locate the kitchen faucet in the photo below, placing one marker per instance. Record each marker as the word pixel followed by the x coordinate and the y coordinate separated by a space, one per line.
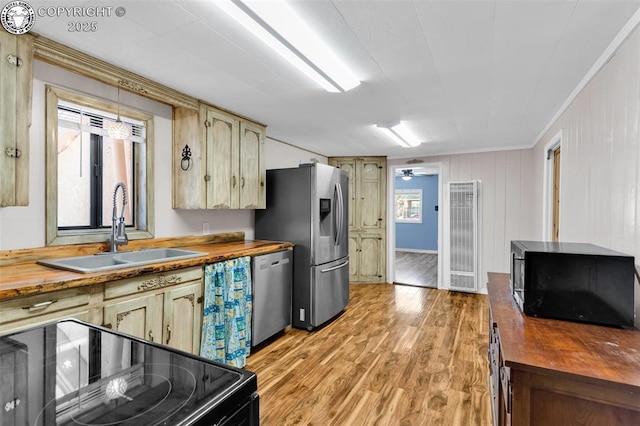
pixel 118 235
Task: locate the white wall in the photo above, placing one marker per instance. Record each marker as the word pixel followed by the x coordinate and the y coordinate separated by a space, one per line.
pixel 24 227
pixel 280 155
pixel 600 156
pixel 505 197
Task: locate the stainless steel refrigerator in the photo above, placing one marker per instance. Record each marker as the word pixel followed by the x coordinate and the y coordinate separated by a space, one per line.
pixel 308 205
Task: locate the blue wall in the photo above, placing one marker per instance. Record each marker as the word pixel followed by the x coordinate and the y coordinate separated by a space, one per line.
pixel 420 236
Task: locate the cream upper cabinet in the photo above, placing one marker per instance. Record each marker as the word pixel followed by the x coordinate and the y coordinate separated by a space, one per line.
pixel 367 216
pixel 222 159
pixel 16 80
pixel 252 169
pixel 226 165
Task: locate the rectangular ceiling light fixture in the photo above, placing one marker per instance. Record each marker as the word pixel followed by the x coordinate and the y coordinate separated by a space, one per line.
pixel 278 26
pixel 400 134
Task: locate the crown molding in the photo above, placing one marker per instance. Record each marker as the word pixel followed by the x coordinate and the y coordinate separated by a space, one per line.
pixel 86 65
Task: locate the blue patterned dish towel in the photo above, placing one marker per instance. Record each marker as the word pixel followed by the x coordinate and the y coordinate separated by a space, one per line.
pixel 228 305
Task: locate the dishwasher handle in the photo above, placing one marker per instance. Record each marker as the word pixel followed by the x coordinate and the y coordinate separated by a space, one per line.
pixel 273 264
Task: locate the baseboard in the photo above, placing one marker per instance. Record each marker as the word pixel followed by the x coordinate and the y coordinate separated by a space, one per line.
pixel 417 250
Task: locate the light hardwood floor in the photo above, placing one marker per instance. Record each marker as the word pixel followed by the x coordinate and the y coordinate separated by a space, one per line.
pixel 398 355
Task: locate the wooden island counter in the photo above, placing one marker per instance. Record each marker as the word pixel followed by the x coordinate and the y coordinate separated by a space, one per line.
pixel 551 372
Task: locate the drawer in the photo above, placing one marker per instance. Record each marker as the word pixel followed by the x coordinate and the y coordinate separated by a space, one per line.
pixel 149 282
pixel 42 304
pixel 77 313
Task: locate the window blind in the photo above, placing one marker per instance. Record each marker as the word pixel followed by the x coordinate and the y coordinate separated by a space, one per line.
pixel 76 117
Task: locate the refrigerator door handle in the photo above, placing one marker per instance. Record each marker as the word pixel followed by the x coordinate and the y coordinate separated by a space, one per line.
pixel 340 221
pixel 337 212
pixel 333 268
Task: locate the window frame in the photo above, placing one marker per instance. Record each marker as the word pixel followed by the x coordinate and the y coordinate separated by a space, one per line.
pixel 416 191
pixel 144 216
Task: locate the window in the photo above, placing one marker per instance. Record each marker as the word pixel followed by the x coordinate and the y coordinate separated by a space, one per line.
pixel 90 164
pixel 409 205
pixel 84 164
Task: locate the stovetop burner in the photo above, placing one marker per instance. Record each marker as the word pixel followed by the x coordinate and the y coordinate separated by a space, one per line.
pixel 118 405
pixel 72 373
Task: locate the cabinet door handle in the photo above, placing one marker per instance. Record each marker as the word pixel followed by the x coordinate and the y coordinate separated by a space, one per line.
pixel 39 306
pixel 168 333
pixel 233 178
pixel 14 60
pixel 151 335
pixel 13 152
pixel 243 181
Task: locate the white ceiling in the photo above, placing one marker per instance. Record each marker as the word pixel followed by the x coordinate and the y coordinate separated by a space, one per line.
pixel 464 75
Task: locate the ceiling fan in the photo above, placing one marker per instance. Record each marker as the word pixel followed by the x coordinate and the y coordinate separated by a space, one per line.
pixel 407 174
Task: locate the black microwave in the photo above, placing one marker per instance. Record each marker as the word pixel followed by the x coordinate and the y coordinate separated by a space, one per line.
pixel 574 282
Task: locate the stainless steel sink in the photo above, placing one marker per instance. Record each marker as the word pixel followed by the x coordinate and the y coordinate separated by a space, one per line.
pixel 108 261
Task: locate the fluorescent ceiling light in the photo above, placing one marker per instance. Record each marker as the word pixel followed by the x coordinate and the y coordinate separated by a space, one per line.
pixel 278 26
pixel 401 135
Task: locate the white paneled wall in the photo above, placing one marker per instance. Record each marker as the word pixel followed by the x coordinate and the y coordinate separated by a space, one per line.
pixel 600 182
pixel 506 200
pixel 600 156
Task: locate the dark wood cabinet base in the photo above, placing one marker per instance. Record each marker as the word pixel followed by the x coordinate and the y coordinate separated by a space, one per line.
pixel 549 372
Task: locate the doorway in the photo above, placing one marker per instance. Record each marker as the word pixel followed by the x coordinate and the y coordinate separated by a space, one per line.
pixel 556 196
pixel 415 202
pixel 551 197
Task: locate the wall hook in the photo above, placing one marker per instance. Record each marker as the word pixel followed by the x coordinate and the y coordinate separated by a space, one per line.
pixel 185 163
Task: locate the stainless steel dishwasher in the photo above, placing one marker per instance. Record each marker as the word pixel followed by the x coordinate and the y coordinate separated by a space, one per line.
pixel 272 281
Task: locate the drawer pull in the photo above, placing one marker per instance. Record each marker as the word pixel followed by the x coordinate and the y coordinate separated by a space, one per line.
pixel 39 306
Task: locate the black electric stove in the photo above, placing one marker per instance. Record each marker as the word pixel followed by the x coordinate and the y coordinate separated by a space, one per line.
pixel 74 373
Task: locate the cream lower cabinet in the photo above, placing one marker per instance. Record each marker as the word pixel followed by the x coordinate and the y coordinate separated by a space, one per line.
pixel 164 308
pixel 140 317
pixel 226 168
pixel 29 311
pixel 182 320
pixel 366 257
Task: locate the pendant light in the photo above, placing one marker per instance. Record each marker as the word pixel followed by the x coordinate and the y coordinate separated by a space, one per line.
pixel 118 129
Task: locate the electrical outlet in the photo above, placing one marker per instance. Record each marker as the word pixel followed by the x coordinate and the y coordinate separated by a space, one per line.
pixel 205 228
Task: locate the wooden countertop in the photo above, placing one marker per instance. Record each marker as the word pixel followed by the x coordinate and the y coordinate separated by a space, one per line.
pixel 585 352
pixel 27 278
